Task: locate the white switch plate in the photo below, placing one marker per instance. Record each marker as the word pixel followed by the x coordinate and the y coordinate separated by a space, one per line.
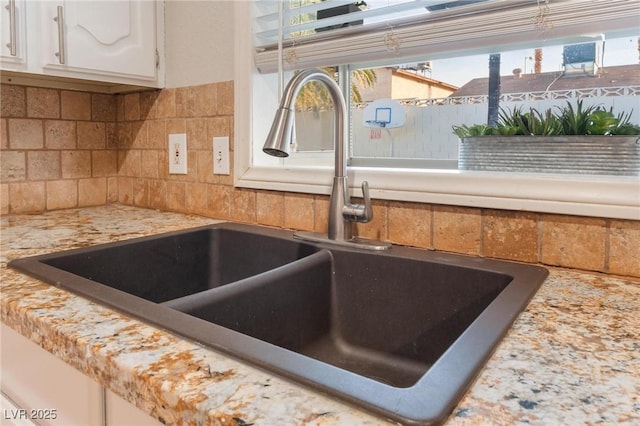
pixel 178 154
pixel 221 155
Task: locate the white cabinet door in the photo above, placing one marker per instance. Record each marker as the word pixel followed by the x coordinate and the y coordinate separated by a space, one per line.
pixel 13 41
pixel 48 390
pixel 122 413
pixel 114 39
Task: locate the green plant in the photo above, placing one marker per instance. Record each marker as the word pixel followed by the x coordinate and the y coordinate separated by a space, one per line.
pixel 565 121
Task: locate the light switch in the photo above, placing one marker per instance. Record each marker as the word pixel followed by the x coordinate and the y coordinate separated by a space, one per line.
pixel 221 155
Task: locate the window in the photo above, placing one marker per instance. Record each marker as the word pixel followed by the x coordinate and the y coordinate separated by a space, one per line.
pixel 431 32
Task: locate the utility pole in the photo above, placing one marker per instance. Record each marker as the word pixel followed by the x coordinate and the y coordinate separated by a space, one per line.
pixel 494 88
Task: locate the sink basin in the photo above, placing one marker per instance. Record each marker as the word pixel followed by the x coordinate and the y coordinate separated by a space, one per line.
pixel 168 266
pixel 401 332
pixel 384 317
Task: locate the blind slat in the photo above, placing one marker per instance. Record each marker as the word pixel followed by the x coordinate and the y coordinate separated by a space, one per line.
pixel 521 24
pixel 292 17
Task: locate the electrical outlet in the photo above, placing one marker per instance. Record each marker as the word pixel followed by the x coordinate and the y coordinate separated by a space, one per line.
pixel 178 154
pixel 221 155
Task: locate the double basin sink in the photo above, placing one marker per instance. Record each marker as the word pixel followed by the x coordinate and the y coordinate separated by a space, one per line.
pixel 401 332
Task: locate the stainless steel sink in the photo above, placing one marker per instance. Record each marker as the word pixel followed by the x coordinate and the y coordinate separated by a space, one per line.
pixel 402 332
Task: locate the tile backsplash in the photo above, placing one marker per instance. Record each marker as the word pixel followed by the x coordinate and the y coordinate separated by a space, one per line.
pixel 64 149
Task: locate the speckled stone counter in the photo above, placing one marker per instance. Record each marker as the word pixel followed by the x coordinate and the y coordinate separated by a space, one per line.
pixel 573 356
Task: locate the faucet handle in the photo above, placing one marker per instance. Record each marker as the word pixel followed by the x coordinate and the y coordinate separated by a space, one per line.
pixel 359 212
pixel 368 209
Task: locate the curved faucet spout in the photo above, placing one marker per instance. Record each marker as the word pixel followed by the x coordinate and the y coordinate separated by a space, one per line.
pixel 341 212
pixel 279 137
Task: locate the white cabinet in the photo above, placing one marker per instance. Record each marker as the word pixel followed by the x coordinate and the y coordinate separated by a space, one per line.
pixel 13 50
pixel 47 391
pixel 122 413
pixel 38 381
pixel 112 41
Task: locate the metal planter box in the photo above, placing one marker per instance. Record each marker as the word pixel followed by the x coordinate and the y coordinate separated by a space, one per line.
pixel 589 155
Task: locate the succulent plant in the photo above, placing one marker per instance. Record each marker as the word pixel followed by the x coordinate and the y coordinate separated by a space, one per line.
pixel 567 120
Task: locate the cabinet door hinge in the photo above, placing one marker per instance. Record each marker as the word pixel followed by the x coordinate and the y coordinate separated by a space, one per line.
pixel 157 59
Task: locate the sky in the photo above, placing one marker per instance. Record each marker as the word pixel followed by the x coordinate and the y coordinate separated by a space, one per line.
pixel 458 71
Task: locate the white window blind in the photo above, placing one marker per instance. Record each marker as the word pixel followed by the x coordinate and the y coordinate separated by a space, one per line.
pixel 308 33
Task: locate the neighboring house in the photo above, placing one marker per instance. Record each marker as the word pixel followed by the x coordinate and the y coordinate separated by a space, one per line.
pixel 400 84
pixel 606 77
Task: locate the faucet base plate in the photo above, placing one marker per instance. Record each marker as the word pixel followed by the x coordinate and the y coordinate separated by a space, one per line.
pixel 354 242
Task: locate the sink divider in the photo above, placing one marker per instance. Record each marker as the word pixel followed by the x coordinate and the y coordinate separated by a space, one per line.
pixel 196 300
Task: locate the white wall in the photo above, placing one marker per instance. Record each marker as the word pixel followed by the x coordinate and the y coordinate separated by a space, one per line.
pixel 199 42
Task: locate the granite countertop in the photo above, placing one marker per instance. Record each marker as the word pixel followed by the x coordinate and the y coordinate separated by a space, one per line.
pixel 572 357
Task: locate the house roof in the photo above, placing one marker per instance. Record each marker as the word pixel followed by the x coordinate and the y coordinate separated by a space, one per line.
pixel 623 75
pixel 422 79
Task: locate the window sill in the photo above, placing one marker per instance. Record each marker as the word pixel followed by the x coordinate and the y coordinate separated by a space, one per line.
pixel 608 197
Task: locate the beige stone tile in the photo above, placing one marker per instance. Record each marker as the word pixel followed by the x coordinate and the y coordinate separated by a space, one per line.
pixel 510 235
pixel 457 229
pixel 219 126
pixel 321 210
pixel 149 163
pixel 157 134
pixel 62 194
pixel 376 229
pixel 148 100
pixel 196 198
pixel 186 101
pixel 624 247
pixel 125 190
pixel 176 196
pixel 103 107
pixel 43 103
pixel 60 134
pixel 111 130
pixel 299 211
pixel 573 242
pixel 91 135
pixel 129 163
pixel 76 164
pixel 205 167
pixel 219 201
pixel 163 164
pixel 270 208
pixel 132 107
pixel 4 137
pixel 225 102
pixel 141 192
pixel 243 205
pixel 92 192
pixel 165 104
pixel 14 101
pixel 27 197
pixel 43 165
pixel 196 129
pixel 192 165
pixel 13 166
pixel 410 224
pixel 176 125
pixel 112 189
pixel 104 163
pixel 119 108
pixel 140 135
pixel 26 134
pixel 206 98
pixel 75 105
pixel 157 194
pixel 4 198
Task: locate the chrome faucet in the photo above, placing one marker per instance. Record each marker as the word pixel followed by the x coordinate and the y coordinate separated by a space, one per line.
pixel 342 213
